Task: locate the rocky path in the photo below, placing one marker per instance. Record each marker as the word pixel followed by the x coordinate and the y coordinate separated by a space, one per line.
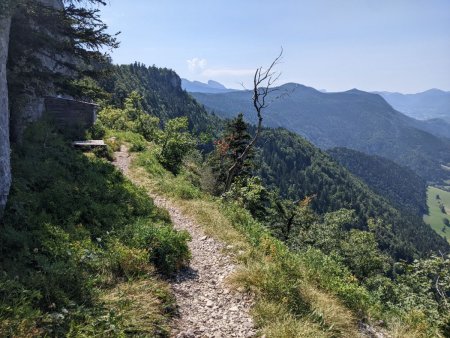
pixel 206 306
pixel 122 159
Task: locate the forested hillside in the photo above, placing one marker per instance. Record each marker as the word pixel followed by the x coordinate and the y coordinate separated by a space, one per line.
pixel 299 170
pixel 401 186
pixel 161 91
pixel 352 119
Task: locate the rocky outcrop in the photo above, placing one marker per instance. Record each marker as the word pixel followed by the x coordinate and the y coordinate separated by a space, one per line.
pixel 31 110
pixel 31 104
pixel 5 167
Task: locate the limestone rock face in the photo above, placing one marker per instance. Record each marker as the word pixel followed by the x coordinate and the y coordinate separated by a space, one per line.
pixel 32 105
pixel 31 111
pixel 5 167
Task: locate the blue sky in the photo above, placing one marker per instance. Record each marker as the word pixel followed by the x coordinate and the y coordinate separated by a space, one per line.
pixel 394 45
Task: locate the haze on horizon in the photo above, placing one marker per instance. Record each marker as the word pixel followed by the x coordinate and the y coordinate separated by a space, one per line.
pixel 401 46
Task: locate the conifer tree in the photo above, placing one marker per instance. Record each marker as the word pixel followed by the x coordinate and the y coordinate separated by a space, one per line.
pixel 228 149
pixel 239 138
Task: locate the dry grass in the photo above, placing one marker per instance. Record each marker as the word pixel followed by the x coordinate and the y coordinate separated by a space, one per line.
pixel 277 323
pixel 143 306
pixel 330 312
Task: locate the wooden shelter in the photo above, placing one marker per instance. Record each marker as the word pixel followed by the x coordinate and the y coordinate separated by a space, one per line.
pixel 68 113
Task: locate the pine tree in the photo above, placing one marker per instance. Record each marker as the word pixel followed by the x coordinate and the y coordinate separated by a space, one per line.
pixel 228 149
pixel 239 138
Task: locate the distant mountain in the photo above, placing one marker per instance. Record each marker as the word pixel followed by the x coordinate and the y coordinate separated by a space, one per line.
pixel 353 119
pixel 200 87
pixel 433 103
pixel 400 185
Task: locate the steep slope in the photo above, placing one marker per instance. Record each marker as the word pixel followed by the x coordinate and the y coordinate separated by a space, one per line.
pixel 352 119
pixel 298 169
pixel 437 126
pixel 161 91
pixel 76 243
pixel 5 166
pixel 400 185
pixel 433 103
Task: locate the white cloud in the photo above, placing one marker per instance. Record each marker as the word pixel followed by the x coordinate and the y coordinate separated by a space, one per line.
pixel 196 65
pixel 229 76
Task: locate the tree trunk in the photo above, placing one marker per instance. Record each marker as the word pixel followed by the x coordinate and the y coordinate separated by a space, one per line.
pixel 5 165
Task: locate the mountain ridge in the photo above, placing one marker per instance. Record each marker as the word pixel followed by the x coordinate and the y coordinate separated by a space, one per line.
pixel 353 119
pixel 432 103
pixel 200 87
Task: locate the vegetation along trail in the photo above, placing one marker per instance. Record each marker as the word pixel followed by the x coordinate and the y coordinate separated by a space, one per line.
pixel 206 306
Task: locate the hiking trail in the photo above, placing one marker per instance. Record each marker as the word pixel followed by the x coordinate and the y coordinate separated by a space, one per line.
pixel 207 307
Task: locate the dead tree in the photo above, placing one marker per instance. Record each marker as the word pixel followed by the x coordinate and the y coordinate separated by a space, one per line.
pixel 263 82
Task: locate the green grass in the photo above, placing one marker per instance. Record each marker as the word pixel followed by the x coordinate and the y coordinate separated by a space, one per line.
pixel 435 217
pixel 82 248
pixel 115 138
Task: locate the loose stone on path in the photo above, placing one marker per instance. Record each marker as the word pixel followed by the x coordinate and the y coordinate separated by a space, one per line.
pixel 206 306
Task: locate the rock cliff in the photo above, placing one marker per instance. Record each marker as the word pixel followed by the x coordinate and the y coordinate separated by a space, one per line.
pixel 5 167
pixel 32 109
pixel 31 101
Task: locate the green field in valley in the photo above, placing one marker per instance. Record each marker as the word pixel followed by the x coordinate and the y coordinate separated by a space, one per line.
pixel 436 198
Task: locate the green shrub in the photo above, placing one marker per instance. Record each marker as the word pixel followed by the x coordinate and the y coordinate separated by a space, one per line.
pixel 132 118
pixel 127 261
pixel 104 152
pixel 137 142
pixel 97 131
pixel 62 238
pixel 176 142
pixel 167 248
pixel 183 189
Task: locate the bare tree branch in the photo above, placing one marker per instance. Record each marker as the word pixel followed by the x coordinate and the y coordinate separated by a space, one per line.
pixel 263 82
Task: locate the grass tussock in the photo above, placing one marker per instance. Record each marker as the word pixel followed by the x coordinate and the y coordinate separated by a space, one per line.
pixel 143 305
pixel 277 322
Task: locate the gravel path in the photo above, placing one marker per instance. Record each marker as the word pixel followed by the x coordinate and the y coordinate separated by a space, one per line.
pixel 206 306
pixel 122 159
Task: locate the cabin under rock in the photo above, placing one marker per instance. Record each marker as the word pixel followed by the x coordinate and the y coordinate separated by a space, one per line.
pixel 69 113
